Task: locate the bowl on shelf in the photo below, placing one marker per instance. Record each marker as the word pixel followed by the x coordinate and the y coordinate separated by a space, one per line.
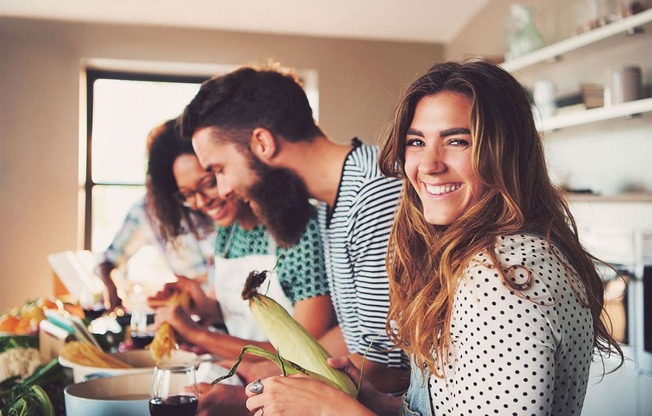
pixel 140 360
pixel 126 394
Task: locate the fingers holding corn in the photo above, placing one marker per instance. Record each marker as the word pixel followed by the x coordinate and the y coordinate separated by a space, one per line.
pixel 189 294
pixel 299 395
pixel 163 343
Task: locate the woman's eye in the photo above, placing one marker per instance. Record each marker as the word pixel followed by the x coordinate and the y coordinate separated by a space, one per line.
pixel 459 142
pixel 209 182
pixel 413 142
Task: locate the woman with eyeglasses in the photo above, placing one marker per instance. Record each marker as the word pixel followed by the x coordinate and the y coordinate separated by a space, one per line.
pixel 184 238
pixel 178 186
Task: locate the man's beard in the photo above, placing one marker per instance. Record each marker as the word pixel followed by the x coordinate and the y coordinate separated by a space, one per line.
pixel 281 202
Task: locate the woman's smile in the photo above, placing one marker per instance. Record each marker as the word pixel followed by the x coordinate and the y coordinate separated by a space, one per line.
pixel 442 190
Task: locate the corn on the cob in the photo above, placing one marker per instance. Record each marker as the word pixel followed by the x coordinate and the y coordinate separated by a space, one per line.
pixel 290 339
pixel 163 343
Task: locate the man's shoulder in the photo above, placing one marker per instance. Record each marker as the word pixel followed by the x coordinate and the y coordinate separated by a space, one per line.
pixel 361 170
pixel 362 162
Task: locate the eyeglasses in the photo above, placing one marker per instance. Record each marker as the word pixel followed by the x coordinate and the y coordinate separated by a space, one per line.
pixel 207 187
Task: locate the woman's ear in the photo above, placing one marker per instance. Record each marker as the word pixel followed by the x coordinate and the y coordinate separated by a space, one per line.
pixel 263 144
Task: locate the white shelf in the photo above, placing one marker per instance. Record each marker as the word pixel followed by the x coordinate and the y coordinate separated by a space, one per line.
pixel 625 197
pixel 623 110
pixel 552 52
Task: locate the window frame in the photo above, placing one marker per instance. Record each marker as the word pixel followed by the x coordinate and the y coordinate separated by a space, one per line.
pixel 92 75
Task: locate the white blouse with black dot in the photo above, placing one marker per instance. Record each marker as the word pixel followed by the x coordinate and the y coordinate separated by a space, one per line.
pixel 517 352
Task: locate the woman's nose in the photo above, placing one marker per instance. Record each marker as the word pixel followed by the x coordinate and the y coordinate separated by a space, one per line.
pixel 200 200
pixel 432 161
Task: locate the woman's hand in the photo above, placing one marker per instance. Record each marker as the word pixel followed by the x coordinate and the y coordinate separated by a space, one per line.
pixel 367 393
pixel 112 291
pixel 221 399
pixel 372 398
pixel 201 305
pixel 301 395
pixel 178 319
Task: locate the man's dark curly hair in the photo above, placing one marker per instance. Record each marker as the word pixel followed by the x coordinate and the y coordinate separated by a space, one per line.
pixel 248 98
pixel 164 146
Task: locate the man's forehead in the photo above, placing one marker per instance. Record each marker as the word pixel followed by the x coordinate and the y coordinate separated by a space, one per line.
pixel 212 147
pixel 222 137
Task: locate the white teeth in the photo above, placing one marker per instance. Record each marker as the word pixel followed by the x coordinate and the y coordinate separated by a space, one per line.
pixel 441 189
pixel 215 211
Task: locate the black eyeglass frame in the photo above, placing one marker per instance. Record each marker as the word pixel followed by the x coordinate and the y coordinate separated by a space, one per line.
pixel 207 189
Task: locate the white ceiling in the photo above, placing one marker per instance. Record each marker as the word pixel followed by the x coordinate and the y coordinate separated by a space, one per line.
pixel 398 20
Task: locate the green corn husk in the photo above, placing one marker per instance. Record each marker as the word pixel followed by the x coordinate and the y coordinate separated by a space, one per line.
pixel 288 368
pixel 300 351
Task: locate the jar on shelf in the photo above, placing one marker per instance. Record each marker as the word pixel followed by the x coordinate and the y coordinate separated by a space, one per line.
pixel 627 8
pixel 523 36
pixel 543 94
pixel 591 14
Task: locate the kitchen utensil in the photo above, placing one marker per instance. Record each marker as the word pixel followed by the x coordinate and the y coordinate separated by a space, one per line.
pixel 140 360
pixel 119 395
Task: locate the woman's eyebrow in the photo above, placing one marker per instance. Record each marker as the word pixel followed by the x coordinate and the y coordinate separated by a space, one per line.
pixel 414 132
pixel 454 131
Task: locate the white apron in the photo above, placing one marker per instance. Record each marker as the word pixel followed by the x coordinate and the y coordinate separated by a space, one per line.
pixel 230 277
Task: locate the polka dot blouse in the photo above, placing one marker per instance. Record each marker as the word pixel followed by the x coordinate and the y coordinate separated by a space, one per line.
pixel 514 353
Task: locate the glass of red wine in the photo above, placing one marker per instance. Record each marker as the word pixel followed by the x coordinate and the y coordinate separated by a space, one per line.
pixel 92 304
pixel 142 327
pixel 174 391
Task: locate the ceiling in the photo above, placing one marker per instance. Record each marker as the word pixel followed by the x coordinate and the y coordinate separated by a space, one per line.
pixel 398 20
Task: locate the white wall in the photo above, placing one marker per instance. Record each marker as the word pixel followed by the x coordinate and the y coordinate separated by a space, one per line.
pixel 40 68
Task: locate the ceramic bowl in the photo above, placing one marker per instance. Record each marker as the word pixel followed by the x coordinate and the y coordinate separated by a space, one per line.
pixel 140 360
pixel 119 395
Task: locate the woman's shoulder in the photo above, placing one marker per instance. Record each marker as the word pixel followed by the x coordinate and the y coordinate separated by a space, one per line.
pixel 529 261
pixel 524 249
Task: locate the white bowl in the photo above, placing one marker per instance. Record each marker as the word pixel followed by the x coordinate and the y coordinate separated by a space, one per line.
pixel 140 360
pixel 112 396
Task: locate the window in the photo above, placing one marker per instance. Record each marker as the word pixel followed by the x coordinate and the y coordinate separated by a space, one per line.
pixel 122 109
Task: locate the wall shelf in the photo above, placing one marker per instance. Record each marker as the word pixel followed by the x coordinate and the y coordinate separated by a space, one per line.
pixel 552 52
pixel 579 117
pixel 624 197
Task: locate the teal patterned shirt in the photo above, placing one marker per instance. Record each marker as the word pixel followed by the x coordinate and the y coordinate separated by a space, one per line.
pixel 300 268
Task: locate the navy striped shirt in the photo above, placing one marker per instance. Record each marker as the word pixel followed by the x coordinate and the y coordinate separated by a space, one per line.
pixel 356 233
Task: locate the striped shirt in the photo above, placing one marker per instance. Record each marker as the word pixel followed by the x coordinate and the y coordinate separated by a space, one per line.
pixel 356 233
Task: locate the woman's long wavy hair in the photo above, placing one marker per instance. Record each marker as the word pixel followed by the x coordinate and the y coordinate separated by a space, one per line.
pixel 426 261
pixel 164 146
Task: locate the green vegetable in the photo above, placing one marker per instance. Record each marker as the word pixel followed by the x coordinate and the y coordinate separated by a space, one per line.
pixel 18 341
pixel 29 397
pixel 28 401
pixel 287 367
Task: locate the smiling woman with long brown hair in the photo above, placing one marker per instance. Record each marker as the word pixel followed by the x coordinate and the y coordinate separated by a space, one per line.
pixel 491 292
